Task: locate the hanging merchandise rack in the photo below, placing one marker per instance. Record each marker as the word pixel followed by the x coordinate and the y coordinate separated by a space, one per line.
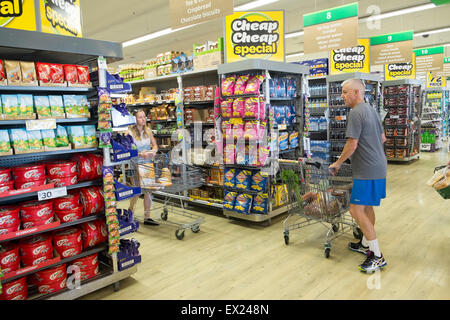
pixel 338 111
pixel 251 148
pixel 402 124
pixel 435 119
pixel 36 46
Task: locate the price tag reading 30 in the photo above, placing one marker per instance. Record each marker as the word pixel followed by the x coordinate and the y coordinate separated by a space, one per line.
pixel 52 193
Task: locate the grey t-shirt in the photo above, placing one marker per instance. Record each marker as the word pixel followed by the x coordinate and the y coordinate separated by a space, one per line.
pixel 369 160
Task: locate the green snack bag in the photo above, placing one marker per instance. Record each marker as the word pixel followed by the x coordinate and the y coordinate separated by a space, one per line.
pixel 76 135
pixel 56 106
pixel 35 140
pixel 42 107
pixel 5 145
pixel 83 105
pixel 71 106
pixel 19 139
pixel 10 105
pixel 26 107
pixel 90 134
pixel 48 136
pixel 62 140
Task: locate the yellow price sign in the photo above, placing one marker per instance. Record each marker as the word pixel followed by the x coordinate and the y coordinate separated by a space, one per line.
pixel 61 17
pixel 18 14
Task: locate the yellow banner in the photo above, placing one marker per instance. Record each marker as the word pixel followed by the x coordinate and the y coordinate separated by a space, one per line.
pixel 355 59
pixel 61 17
pixel 395 71
pixel 17 14
pixel 435 81
pixel 255 35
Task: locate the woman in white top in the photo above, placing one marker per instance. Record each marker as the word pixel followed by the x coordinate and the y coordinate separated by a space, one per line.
pixel 147 148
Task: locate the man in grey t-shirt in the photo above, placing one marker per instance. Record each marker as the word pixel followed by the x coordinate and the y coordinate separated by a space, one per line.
pixel 365 139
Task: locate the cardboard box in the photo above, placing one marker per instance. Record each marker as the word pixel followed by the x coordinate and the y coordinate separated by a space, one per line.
pixel 208 55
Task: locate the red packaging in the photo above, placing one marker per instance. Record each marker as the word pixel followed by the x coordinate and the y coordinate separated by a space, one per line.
pixel 59 169
pixel 29 173
pixel 84 167
pixel 9 230
pixel 15 290
pixel 88 262
pixel 33 224
pixel 92 200
pixel 68 242
pixel 101 225
pixel 83 74
pixel 29 184
pixel 88 273
pixel 97 165
pixel 36 210
pixel 91 235
pixel 36 250
pixel 69 202
pixel 46 288
pixel 43 72
pixel 64 182
pixel 7 186
pixel 2 71
pixel 71 73
pixel 9 257
pixel 9 217
pixel 5 174
pixel 50 275
pixel 56 73
pixel 69 215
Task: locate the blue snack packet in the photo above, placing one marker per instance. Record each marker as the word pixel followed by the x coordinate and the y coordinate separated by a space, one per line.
pixel 260 203
pixel 243 179
pixel 243 203
pixel 229 177
pixel 259 181
pixel 229 200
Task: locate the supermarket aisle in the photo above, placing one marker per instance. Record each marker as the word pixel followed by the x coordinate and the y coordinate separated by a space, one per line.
pixel 234 260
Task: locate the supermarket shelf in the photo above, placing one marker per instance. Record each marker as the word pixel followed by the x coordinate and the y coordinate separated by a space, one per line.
pixel 417 156
pixel 200 123
pixel 174 76
pixel 23 122
pixel 189 199
pixel 45 89
pixel 282 99
pixel 318 96
pixel 245 191
pixel 260 64
pixel 150 104
pixel 215 185
pixel 25 196
pixel 38 154
pixel 286 151
pixel 86 253
pixel 160 121
pixel 258 217
pixel 193 103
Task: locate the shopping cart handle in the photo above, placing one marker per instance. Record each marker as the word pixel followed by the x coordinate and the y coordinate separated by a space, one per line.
pixel 315 164
pixel 318 165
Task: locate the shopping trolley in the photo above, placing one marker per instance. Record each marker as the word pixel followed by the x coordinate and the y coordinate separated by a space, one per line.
pixel 318 196
pixel 159 174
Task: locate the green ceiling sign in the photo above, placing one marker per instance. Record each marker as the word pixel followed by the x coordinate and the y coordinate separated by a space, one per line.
pixel 447 60
pixel 440 2
pixel 429 51
pixel 333 14
pixel 391 38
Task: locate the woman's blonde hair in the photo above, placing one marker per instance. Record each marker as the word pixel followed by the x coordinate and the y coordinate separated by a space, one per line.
pixel 134 130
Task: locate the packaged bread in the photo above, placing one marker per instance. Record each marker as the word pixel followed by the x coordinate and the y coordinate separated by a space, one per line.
pixel 146 175
pixel 443 183
pixel 166 178
pixel 13 72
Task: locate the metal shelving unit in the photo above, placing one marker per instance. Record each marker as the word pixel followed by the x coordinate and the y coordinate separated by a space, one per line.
pixel 36 46
pixel 435 118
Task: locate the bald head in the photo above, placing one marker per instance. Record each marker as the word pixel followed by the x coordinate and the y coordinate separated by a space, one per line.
pixel 353 92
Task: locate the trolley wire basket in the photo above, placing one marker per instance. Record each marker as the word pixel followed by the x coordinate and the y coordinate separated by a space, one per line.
pixel 160 176
pixel 318 196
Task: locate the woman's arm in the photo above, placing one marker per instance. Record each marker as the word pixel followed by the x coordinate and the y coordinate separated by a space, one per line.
pixel 154 144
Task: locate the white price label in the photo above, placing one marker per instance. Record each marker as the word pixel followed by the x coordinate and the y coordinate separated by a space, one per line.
pixel 395 117
pixel 52 193
pixel 47 124
pixel 282 127
pixel 102 63
pixel 425 146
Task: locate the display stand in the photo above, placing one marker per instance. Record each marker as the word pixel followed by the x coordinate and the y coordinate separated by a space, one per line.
pixel 403 104
pixel 338 111
pixel 435 119
pixel 37 46
pixel 276 127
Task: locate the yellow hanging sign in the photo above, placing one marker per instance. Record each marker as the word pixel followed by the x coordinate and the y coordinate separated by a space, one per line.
pixel 348 60
pixel 18 14
pixel 61 17
pixel 436 81
pixel 395 71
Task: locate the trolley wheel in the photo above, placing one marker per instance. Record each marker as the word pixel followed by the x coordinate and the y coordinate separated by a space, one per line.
pixel 286 239
pixel 164 214
pixel 195 228
pixel 335 227
pixel 327 252
pixel 357 233
pixel 179 234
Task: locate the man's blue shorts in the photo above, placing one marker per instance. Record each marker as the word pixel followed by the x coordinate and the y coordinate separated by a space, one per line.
pixel 368 192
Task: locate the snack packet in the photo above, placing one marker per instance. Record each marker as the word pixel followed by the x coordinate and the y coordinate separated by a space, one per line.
pixel 49 138
pixel 229 175
pixel 43 72
pixel 293 140
pixel 35 140
pixel 227 130
pixel 62 139
pixel 56 73
pixel 251 130
pixel 83 74
pixel 26 106
pixel 28 72
pixel 281 88
pixel 90 135
pixel 229 154
pixel 243 179
pixel 5 145
pixel 76 135
pixel 71 106
pixel 42 105
pixel 253 84
pixel 283 141
pixel 251 107
pixel 241 154
pixel 228 86
pixel 56 106
pixel 19 140
pixel 2 72
pixel 241 84
pixel 238 108
pixel 70 73
pixel 238 131
pixel 229 199
pixel 259 181
pixel 83 106
pixel 243 203
pixel 262 108
pixel 227 108
pixel 10 105
pixel 13 72
pixel 260 203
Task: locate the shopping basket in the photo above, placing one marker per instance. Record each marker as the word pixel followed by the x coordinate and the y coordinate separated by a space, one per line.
pixel 444 192
pixel 159 175
pixel 318 196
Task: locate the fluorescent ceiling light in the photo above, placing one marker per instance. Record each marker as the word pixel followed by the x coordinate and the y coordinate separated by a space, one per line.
pixel 294 34
pixel 298 54
pixel 431 32
pixel 254 4
pixel 164 32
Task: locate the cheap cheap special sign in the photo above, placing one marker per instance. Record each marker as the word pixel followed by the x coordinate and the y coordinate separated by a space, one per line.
pixel 61 17
pixel 255 35
pixel 354 59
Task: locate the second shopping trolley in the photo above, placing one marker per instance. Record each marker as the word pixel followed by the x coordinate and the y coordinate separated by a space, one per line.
pixel 318 196
pixel 159 174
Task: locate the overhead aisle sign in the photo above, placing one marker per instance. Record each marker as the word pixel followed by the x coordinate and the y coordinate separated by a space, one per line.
pixel 18 14
pixel 348 60
pixel 446 67
pixel 254 35
pixel 391 48
pixel 429 60
pixel 436 81
pixel 331 29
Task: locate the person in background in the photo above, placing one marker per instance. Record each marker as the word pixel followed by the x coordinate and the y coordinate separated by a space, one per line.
pixel 365 139
pixel 147 148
